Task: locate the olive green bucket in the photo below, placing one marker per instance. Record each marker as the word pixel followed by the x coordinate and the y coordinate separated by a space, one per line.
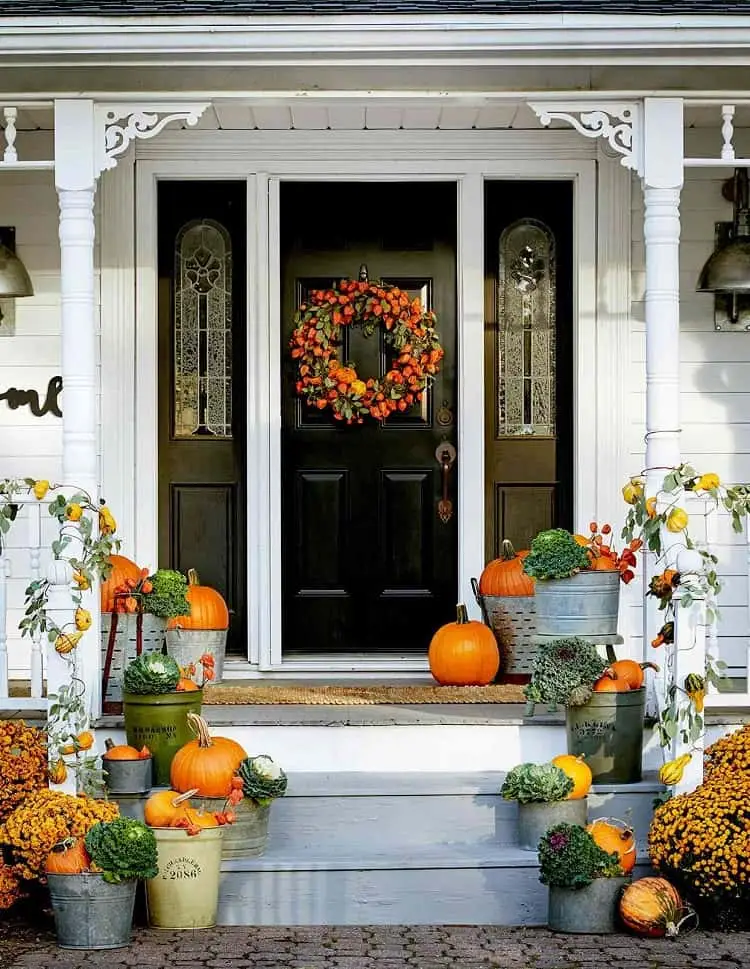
pixel 160 723
pixel 608 732
pixel 185 893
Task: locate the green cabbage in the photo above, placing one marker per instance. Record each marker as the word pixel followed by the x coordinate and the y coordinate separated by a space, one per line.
pixel 529 783
pixel 564 673
pixel 570 858
pixel 555 554
pixel 168 597
pixel 123 849
pixel 151 673
pixel 262 779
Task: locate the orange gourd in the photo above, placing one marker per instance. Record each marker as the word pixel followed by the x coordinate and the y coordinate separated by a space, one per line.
pixel 186 685
pixel 206 764
pixel 120 751
pixel 615 837
pixel 464 653
pixel 162 808
pixel 578 771
pixel 69 857
pixel 653 907
pixel 122 569
pixel 609 683
pixel 631 672
pixel 505 576
pixel 207 608
pixel 190 816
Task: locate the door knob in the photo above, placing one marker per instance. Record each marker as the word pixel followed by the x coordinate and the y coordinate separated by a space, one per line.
pixel 446 455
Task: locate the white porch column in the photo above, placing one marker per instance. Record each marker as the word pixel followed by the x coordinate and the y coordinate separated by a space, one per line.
pixel 75 180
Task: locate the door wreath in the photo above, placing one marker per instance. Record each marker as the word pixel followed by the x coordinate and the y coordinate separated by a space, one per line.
pixel 324 381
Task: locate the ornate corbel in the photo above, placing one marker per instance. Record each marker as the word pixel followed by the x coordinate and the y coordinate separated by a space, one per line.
pixel 619 123
pixel 119 124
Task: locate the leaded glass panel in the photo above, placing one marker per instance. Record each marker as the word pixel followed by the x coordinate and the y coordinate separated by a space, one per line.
pixel 203 331
pixel 526 331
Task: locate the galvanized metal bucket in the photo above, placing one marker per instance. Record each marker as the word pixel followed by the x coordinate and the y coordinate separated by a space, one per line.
pixel 585 605
pixel 132 805
pixel 186 646
pixel 513 621
pixel 125 636
pixel 608 731
pixel 90 913
pixel 537 817
pixel 586 911
pixel 248 836
pixel 185 893
pixel 127 776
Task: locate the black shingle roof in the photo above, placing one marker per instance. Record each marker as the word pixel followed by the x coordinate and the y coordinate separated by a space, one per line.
pixel 144 8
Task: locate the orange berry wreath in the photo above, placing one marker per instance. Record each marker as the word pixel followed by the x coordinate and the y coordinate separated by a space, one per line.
pixel 323 381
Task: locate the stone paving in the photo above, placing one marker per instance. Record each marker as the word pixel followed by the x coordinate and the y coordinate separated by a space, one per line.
pixel 388 947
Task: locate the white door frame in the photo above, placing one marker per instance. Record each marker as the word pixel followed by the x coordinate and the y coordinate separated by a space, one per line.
pixel 265 159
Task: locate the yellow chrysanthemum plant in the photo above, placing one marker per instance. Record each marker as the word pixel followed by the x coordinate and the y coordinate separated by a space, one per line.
pixel 651 517
pixel 85 540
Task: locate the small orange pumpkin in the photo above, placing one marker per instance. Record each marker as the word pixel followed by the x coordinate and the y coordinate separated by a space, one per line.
pixel 578 771
pixel 505 576
pixel 464 653
pixel 615 837
pixel 631 672
pixel 122 569
pixel 207 607
pixel 653 907
pixel 162 808
pixel 120 751
pixel 190 816
pixel 207 764
pixel 68 857
pixel 609 683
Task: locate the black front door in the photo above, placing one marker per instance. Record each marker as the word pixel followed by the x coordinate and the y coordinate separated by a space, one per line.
pixel 368 566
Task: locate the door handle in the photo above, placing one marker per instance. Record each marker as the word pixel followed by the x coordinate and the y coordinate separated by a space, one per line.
pixel 446 455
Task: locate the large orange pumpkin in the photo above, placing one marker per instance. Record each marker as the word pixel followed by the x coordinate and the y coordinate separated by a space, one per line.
pixel 206 764
pixel 122 569
pixel 69 857
pixel 207 607
pixel 164 807
pixel 615 837
pixel 464 653
pixel 653 907
pixel 578 771
pixel 631 672
pixel 505 576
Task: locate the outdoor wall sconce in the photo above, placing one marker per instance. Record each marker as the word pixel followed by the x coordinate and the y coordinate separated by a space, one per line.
pixel 14 279
pixel 727 271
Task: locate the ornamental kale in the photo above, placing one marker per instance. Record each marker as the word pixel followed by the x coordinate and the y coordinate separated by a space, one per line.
pixel 150 674
pixel 123 849
pixel 529 783
pixel 167 597
pixel 262 779
pixel 570 858
pixel 564 672
pixel 555 554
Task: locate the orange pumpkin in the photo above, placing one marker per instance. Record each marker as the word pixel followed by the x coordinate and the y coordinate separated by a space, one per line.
pixel 190 816
pixel 464 653
pixel 505 576
pixel 122 570
pixel 653 907
pixel 186 685
pixel 609 683
pixel 615 837
pixel 120 751
pixel 162 808
pixel 69 857
pixel 631 672
pixel 206 764
pixel 578 771
pixel 207 608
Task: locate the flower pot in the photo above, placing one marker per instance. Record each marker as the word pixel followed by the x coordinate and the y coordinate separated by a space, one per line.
pixel 185 893
pixel 537 817
pixel 160 723
pixel 248 836
pixel 608 731
pixel 127 776
pixel 186 646
pixel 584 605
pixel 90 913
pixel 586 911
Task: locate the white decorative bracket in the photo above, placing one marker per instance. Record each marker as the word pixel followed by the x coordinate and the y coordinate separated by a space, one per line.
pixel 119 124
pixel 618 122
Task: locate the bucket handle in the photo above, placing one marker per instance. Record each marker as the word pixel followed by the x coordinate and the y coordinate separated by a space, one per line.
pixel 480 601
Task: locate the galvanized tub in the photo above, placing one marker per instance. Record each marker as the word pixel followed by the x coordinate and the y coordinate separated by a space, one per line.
pixel 248 836
pixel 132 805
pixel 608 731
pixel 586 911
pixel 186 646
pixel 513 621
pixel 537 817
pixel 185 893
pixel 127 776
pixel 90 913
pixel 585 605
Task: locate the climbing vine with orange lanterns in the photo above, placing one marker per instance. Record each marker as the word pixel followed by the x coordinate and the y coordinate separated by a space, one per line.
pixel 326 383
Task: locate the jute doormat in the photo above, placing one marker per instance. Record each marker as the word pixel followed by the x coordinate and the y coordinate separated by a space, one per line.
pixel 362 695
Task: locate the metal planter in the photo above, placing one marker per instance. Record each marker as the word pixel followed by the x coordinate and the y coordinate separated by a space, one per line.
pixel 585 605
pixel 91 913
pixel 608 731
pixel 586 911
pixel 186 646
pixel 537 817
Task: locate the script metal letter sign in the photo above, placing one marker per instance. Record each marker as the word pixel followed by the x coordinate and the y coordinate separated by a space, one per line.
pixel 30 398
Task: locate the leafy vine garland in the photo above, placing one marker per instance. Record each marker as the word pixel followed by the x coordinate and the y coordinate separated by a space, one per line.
pixel 85 541
pixel 648 518
pixel 324 382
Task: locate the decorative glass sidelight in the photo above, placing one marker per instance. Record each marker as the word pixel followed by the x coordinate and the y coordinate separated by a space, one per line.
pixel 203 331
pixel 526 330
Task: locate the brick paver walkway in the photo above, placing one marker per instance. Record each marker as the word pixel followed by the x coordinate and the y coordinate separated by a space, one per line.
pixel 393 947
